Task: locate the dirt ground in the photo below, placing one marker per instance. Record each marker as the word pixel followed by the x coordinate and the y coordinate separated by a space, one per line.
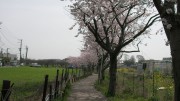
pixel 84 90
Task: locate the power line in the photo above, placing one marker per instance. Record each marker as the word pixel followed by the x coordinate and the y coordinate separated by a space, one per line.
pixel 7 31
pixel 7 38
pixel 2 42
pixel 8 44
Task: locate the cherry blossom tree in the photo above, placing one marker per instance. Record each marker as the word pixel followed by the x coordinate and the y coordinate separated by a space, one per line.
pixel 102 56
pixel 88 58
pixel 74 61
pixel 114 25
pixel 169 11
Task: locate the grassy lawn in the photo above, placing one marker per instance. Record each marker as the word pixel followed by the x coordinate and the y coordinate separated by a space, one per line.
pixel 130 87
pixel 27 80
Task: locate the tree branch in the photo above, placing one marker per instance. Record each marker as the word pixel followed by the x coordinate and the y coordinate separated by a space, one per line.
pixel 133 50
pixel 136 17
pixel 130 8
pixel 148 24
pixel 94 31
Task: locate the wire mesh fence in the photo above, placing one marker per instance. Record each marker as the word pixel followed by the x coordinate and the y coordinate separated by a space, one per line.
pixel 155 86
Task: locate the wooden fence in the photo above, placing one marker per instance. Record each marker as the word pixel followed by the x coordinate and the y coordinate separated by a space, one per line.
pixel 51 90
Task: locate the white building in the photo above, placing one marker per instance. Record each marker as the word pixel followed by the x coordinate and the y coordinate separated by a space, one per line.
pixel 164 66
pixel 13 59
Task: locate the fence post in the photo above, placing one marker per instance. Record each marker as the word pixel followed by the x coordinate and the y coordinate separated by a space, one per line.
pixel 5 90
pixel 123 78
pixel 144 68
pixel 56 84
pixel 143 86
pixel 153 81
pixel 45 88
pixel 68 73
pixel 79 73
pixel 72 75
pixel 50 93
pixel 72 71
pixel 61 83
pixel 76 71
pixel 76 74
pixel 62 77
pixel 65 75
pixel 133 82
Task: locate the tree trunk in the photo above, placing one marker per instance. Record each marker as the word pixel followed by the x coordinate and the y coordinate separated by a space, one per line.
pixel 103 72
pixel 112 75
pixel 102 75
pixel 99 71
pixel 175 52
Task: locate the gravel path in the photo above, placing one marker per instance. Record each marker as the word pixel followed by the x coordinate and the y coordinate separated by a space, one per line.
pixel 84 90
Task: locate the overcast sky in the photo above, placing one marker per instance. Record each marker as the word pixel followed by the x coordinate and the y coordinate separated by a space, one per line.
pixel 44 27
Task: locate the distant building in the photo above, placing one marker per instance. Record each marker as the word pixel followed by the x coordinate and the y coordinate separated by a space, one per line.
pixel 12 59
pixel 167 59
pixel 164 66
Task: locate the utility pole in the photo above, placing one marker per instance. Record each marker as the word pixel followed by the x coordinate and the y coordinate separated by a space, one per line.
pixel 26 53
pixel 2 63
pixel 8 60
pixel 7 52
pixel 20 49
pixel 1 53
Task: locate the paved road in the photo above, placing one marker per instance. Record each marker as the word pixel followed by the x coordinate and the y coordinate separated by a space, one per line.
pixel 84 90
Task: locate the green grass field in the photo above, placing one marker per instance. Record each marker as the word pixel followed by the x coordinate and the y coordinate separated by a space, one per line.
pixel 27 80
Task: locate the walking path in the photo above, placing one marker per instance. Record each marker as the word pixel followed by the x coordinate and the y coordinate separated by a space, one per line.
pixel 84 90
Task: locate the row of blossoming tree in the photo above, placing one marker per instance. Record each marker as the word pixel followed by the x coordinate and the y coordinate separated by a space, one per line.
pixel 109 26
pixel 112 24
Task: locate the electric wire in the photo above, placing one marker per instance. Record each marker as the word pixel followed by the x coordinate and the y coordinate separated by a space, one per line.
pixel 7 38
pixel 5 29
